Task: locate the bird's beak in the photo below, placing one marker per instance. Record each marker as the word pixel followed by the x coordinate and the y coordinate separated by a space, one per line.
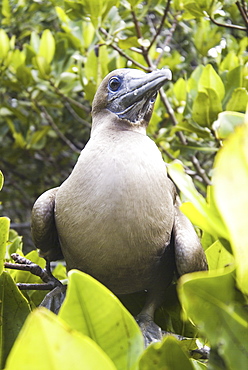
pixel 136 97
pixel 145 86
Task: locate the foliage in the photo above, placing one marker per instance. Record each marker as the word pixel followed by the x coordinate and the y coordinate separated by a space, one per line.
pixel 52 57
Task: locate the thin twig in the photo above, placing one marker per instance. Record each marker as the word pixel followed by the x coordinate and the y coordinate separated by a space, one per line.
pixel 23 225
pixel 57 130
pixel 243 13
pixel 166 10
pixel 121 52
pixel 201 172
pixel 167 41
pixel 139 34
pixel 172 115
pixel 232 26
pixel 68 99
pixel 24 264
pixel 245 6
pixel 76 116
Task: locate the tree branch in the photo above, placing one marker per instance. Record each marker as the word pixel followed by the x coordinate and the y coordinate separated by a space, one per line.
pixel 70 100
pixel 76 116
pixel 167 41
pixel 170 111
pixel 166 10
pixel 201 172
pixel 243 12
pixel 121 52
pixel 24 264
pixel 57 130
pixel 232 26
pixel 139 34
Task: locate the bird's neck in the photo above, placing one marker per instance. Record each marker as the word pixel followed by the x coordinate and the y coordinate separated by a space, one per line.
pixel 111 123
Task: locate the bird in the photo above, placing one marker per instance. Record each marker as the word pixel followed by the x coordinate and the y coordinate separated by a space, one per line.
pixel 117 216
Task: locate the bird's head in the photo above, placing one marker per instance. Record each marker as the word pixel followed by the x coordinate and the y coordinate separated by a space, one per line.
pixel 129 94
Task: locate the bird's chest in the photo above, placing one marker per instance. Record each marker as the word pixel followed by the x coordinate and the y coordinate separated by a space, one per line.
pixel 122 186
pixel 117 207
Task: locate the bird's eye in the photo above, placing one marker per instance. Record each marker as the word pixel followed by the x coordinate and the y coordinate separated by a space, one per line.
pixel 114 83
pixel 153 98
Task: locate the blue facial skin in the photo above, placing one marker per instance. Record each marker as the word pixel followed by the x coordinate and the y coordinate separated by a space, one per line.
pixel 131 97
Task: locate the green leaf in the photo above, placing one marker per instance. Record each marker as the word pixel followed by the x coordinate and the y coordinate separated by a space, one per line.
pixel 37 139
pixel 238 101
pixel 218 257
pixel 211 80
pixel 14 309
pixel 4 44
pixel 47 46
pixel 73 10
pixel 200 109
pixel 201 213
pixel 193 8
pixel 42 65
pixel 1 180
pixel 165 355
pixel 95 9
pixel 226 123
pixel 215 106
pixel 193 81
pixel 230 62
pixel 180 90
pixel 4 234
pixel 207 300
pixel 205 36
pixel 6 10
pixel 128 42
pixel 46 342
pixel 206 107
pixel 93 310
pixel 233 81
pixel 231 196
pixel 24 75
pixel 96 68
pixel 133 3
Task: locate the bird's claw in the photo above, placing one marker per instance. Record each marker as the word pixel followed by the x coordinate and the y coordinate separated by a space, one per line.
pixel 151 331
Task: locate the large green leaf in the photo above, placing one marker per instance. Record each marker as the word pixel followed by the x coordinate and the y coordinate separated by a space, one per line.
pixel 4 234
pixel 218 257
pixel 4 44
pixel 200 109
pixel 46 342
pixel 206 107
pixel 239 100
pixel 231 195
pixel 211 80
pixel 14 309
pixel 94 9
pixel 93 310
pixel 233 81
pixel 165 355
pixel 47 46
pixel 40 62
pixel 226 123
pixel 207 298
pixel 202 213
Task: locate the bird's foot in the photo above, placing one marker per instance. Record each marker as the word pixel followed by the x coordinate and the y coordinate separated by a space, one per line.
pixel 24 264
pixel 151 331
pixel 54 299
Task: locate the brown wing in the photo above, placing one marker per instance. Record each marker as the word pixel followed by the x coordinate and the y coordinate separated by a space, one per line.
pixel 43 226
